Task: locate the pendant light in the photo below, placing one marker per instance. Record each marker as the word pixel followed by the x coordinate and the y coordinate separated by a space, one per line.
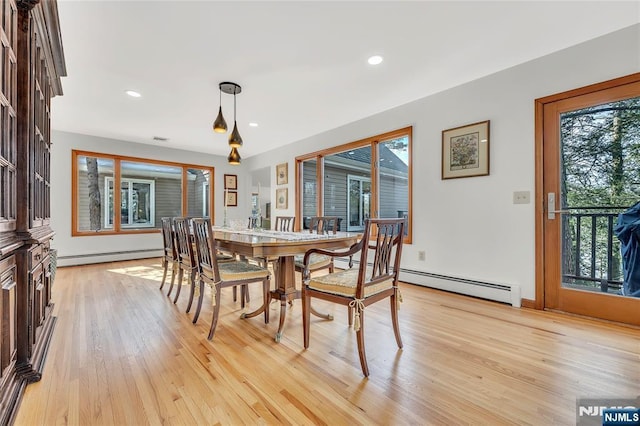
pixel 220 126
pixel 235 140
pixel 234 157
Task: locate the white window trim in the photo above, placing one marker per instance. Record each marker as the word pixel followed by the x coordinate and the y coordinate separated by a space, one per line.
pixel 152 203
pixel 349 179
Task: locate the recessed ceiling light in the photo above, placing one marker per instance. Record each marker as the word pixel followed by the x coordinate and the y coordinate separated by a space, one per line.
pixel 375 60
pixel 133 93
pixel 253 124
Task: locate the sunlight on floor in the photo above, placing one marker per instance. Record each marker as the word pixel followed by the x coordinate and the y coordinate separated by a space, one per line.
pixel 150 272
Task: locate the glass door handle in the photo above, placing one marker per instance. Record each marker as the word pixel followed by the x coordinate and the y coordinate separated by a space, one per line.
pixel 551 206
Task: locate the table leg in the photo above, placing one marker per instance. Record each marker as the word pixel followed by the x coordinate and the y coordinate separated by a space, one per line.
pixel 286 291
pixel 265 305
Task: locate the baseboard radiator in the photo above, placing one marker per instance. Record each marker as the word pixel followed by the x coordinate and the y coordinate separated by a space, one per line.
pixel 486 290
pixel 83 259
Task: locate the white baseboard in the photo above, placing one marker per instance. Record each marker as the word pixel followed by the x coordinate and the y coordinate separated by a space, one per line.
pixel 505 293
pixel 85 259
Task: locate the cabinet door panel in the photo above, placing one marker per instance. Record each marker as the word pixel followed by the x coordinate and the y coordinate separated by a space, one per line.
pixel 37 291
pixel 7 313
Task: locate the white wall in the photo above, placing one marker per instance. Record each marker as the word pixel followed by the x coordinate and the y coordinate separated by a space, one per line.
pixel 469 227
pixel 89 249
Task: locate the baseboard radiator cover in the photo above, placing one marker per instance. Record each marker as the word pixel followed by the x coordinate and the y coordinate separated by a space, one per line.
pixel 84 259
pixel 504 293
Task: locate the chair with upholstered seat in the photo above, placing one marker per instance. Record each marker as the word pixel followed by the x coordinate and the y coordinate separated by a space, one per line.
pixel 375 279
pixel 221 275
pixel 319 225
pixel 170 254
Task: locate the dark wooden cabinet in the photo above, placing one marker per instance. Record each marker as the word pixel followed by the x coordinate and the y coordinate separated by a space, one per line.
pixel 31 64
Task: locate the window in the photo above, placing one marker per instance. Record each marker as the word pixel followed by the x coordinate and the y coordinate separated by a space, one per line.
pixel 355 181
pixel 309 195
pixel 137 203
pixel 148 191
pixel 197 197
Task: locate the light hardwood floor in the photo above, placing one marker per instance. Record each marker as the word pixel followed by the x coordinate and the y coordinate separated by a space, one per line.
pixel 123 354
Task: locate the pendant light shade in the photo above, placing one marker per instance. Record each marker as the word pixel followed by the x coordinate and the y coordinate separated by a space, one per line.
pixel 235 140
pixel 234 157
pixel 220 125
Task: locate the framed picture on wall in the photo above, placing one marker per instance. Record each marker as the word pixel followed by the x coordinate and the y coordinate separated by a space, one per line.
pixel 231 199
pixel 282 198
pixel 465 151
pixel 282 174
pixel 231 182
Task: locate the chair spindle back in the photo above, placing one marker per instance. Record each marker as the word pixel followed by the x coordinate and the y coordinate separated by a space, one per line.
pixel 167 239
pixel 285 223
pixel 323 224
pixel 205 248
pixel 183 240
pixel 383 237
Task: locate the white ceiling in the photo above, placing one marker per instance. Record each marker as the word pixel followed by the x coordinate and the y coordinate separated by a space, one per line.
pixel 302 65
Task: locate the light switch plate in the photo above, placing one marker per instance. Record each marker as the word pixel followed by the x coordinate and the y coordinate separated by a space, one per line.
pixel 521 197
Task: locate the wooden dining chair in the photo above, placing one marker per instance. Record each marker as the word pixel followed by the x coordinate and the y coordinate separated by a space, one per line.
pixel 375 279
pixel 319 225
pixel 253 222
pixel 221 275
pixel 186 257
pixel 170 255
pixel 285 223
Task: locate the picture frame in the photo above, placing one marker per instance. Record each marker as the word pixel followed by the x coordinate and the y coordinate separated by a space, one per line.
pixel 231 182
pixel 282 174
pixel 232 199
pixel 282 198
pixel 465 151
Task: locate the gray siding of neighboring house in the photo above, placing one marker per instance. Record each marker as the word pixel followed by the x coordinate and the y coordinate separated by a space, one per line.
pixel 335 192
pixel 394 195
pixel 194 194
pixel 309 196
pixel 168 199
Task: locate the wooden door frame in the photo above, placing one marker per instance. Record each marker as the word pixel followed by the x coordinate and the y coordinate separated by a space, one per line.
pixel 540 200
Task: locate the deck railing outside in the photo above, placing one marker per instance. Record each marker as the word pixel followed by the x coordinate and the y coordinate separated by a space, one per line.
pixel 591 251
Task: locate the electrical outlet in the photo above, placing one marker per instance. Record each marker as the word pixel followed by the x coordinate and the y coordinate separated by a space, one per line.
pixel 521 197
pixel 421 255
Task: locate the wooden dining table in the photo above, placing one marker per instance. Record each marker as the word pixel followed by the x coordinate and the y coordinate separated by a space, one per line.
pixel 282 248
